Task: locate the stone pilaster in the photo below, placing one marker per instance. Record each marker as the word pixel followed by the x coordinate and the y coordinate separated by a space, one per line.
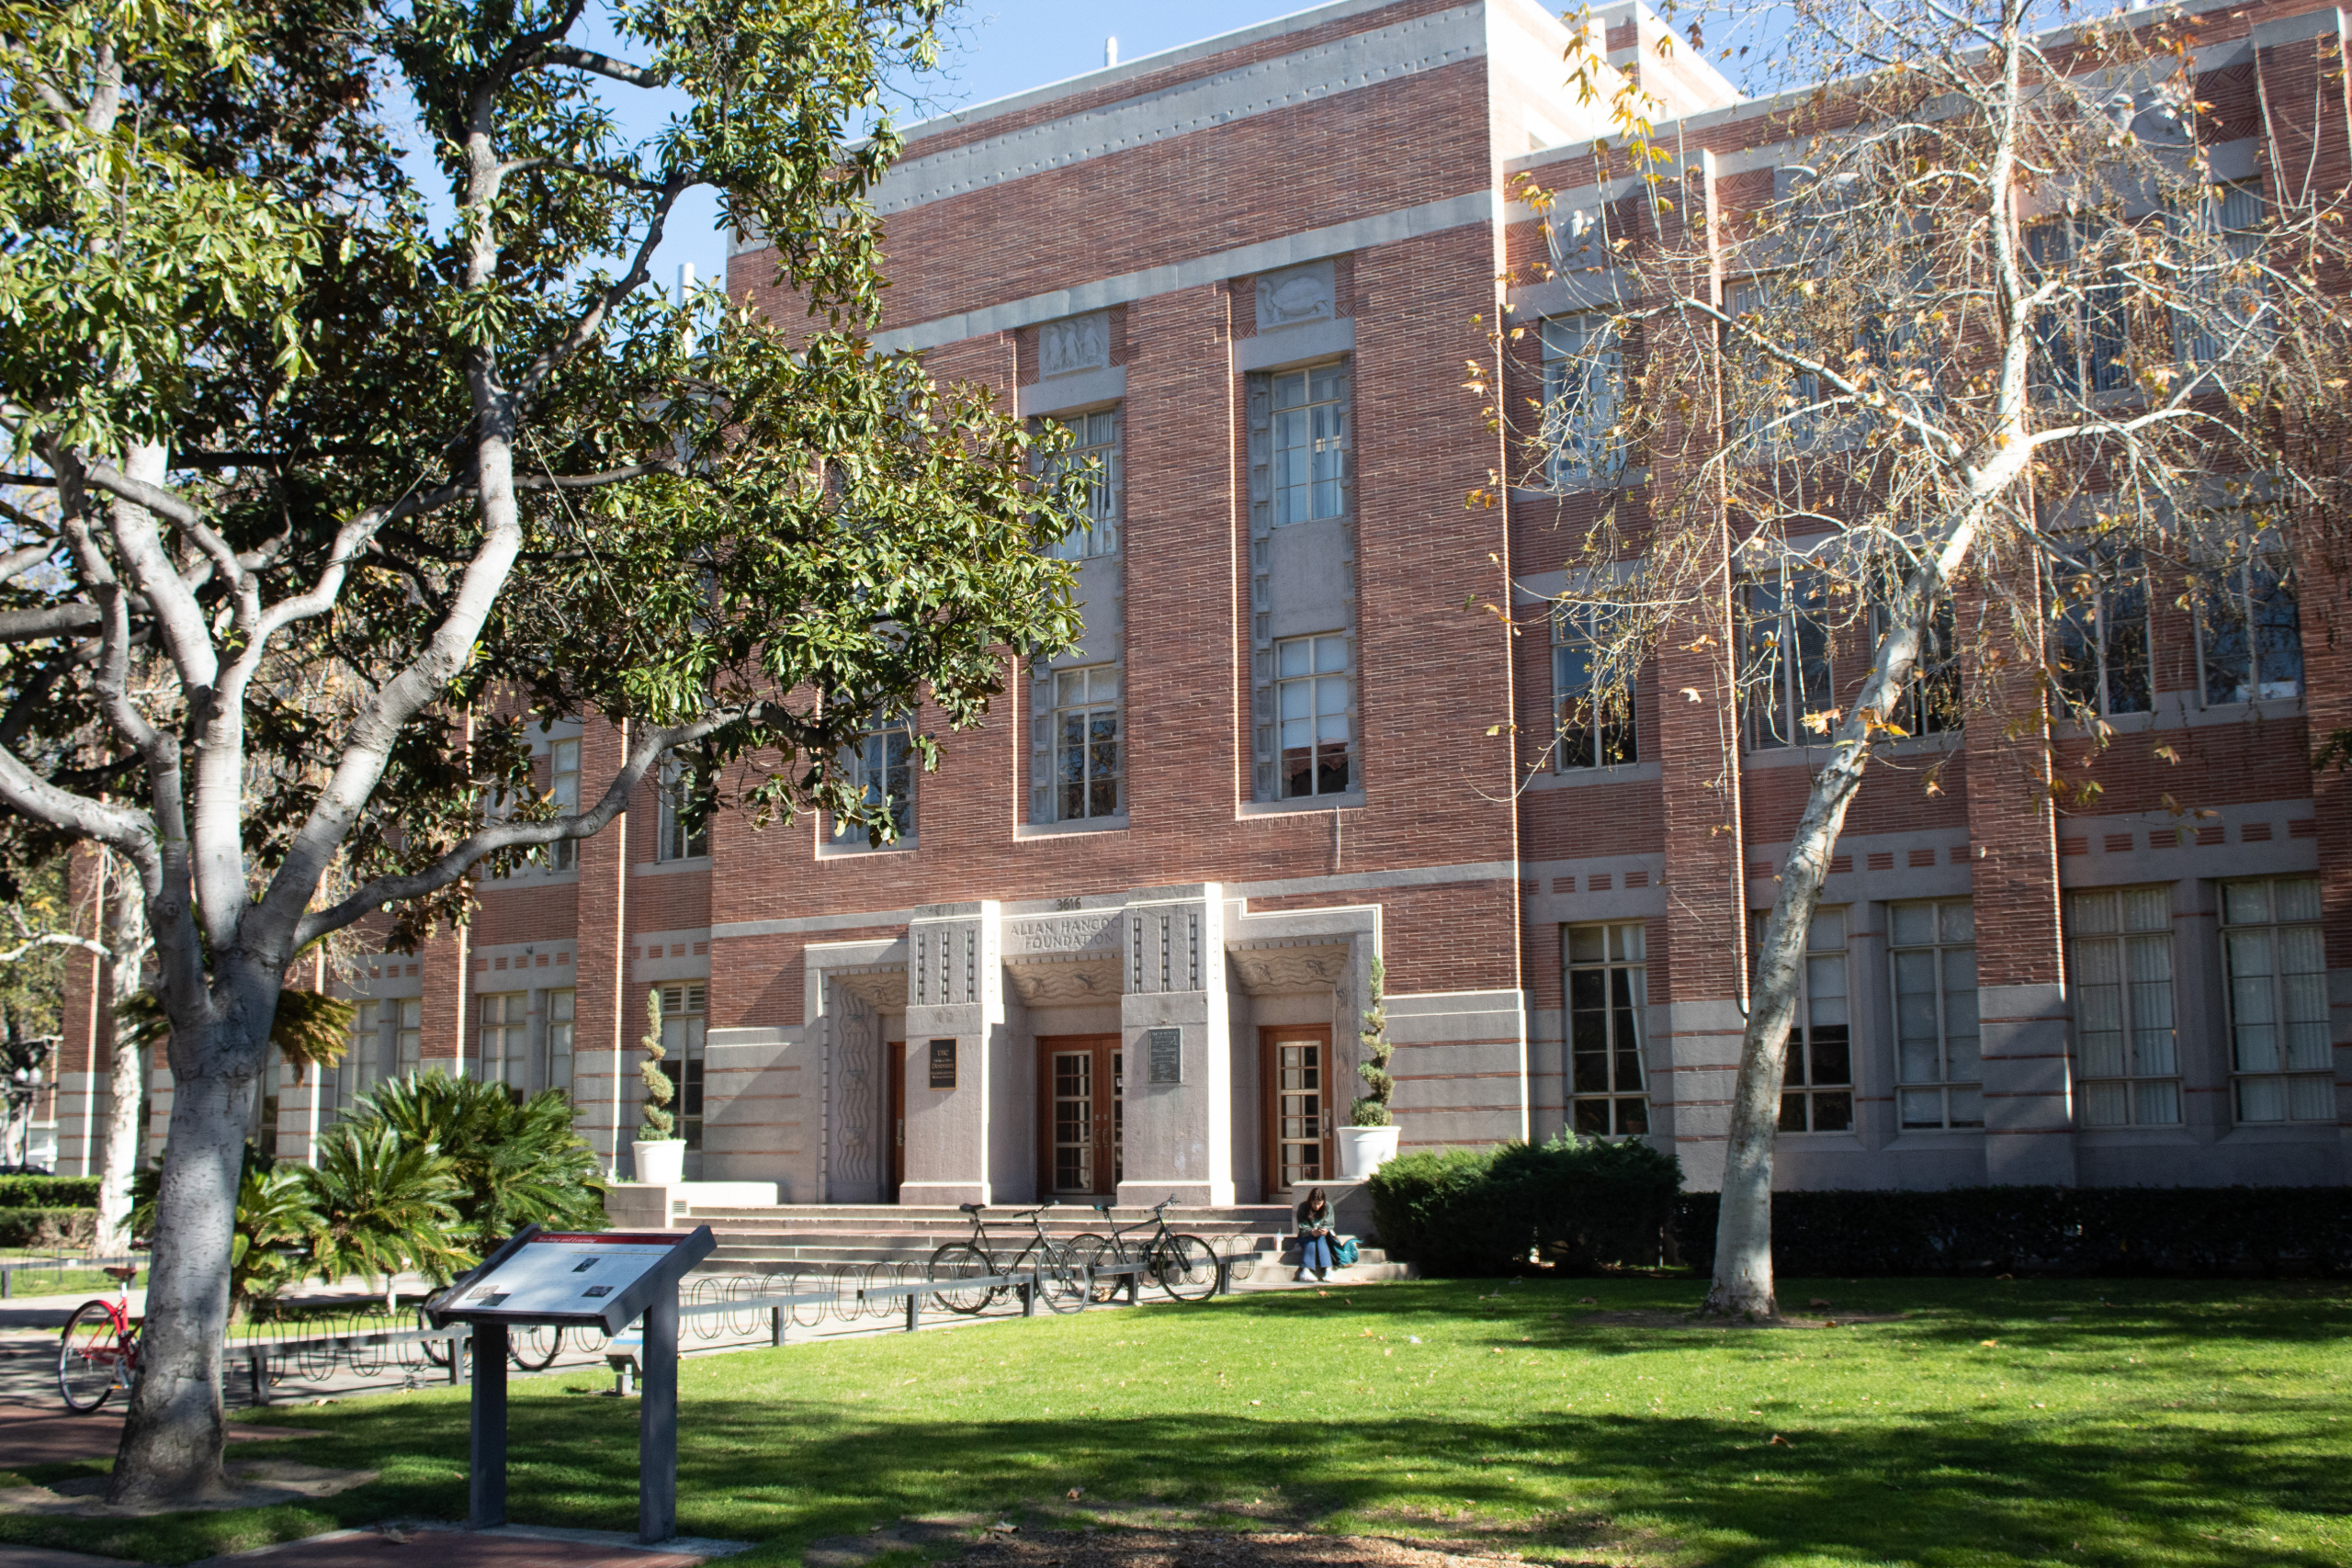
pixel 954 1002
pixel 1176 1028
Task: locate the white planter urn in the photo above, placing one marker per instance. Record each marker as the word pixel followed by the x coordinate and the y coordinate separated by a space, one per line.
pixel 1363 1150
pixel 661 1162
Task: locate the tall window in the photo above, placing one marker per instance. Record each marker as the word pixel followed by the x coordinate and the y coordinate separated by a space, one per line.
pixel 1087 763
pixel 1934 949
pixel 676 841
pixel 1782 407
pixel 563 788
pixel 1095 438
pixel 2118 944
pixel 2225 306
pixel 2270 944
pixel 2083 338
pixel 408 1040
pixel 1785 671
pixel 2098 642
pixel 1818 1091
pixel 682 1038
pixel 362 1067
pixel 882 770
pixel 1930 705
pixel 2249 633
pixel 1594 718
pixel 1310 443
pixel 506 1028
pixel 1311 706
pixel 562 1011
pixel 1608 992
pixel 1584 370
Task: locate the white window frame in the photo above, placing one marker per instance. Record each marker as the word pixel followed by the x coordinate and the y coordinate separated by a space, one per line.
pixel 1590 728
pixel 1607 1075
pixel 686 1023
pixel 2266 656
pixel 1955 1096
pixel 503 1037
pixel 408 1036
pixel 1327 680
pixel 672 842
pixel 1822 1029
pixel 1099 436
pixel 1088 697
pixel 1932 702
pixel 2088 603
pixel 2127 1042
pixel 2294 1076
pixel 1309 442
pixel 1584 380
pixel 2234 210
pixel 564 789
pixel 1787 659
pixel 1778 429
pixel 881 761
pixel 2084 339
pixel 560 1041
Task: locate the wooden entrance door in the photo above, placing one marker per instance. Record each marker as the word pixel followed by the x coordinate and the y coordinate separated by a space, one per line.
pixel 1081 1117
pixel 1298 1096
pixel 894 1072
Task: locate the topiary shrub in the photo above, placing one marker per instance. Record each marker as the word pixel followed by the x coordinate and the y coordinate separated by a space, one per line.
pixel 1576 1203
pixel 48 1192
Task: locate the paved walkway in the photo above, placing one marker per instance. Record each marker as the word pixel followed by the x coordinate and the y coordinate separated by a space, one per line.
pixel 45 1433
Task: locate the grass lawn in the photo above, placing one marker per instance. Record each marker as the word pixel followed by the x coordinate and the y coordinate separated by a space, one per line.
pixel 1999 1423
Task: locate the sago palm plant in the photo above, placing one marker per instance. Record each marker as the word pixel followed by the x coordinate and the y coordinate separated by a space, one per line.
pixel 381 1203
pixel 514 1162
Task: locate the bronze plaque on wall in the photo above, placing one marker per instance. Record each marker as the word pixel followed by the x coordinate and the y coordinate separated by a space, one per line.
pixel 942 1063
pixel 1165 1050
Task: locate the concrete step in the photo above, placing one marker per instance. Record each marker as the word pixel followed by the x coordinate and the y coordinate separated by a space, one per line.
pixel 828 1251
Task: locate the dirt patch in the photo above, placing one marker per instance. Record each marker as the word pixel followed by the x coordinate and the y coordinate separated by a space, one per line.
pixel 1693 1320
pixel 252 1484
pixel 1086 1548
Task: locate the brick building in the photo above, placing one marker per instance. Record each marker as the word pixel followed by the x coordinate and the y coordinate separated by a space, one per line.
pixel 1125 937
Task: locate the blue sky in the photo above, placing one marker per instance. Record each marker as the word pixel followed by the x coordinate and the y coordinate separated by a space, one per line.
pixel 994 50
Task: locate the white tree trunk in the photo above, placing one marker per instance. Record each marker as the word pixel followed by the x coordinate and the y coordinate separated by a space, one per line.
pixel 126 940
pixel 171 1441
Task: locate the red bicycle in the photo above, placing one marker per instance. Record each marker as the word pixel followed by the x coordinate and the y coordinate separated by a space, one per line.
pixel 100 1350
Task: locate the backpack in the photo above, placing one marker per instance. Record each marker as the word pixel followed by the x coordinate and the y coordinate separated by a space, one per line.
pixel 1343 1250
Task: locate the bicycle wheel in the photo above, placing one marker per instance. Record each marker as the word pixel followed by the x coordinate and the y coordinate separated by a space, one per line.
pixel 1093 1252
pixel 962 1261
pixel 534 1348
pixel 1061 1277
pixel 1186 1268
pixel 89 1358
pixel 436 1351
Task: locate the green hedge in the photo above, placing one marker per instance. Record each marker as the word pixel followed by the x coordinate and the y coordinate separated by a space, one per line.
pixel 1576 1204
pixel 48 1192
pixel 2084 1231
pixel 48 1227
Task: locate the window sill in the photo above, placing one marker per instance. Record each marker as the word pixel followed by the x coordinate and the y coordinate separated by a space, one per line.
pixel 2280 1132
pixel 1585 778
pixel 1302 805
pixel 2184 708
pixel 2165 1134
pixel 1931 1137
pixel 1114 823
pixel 534 877
pixel 672 867
pixel 852 849
pixel 1631 478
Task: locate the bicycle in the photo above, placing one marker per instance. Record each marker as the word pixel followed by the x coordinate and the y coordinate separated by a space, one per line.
pixel 533 1346
pixel 1061 1278
pixel 98 1352
pixel 1182 1265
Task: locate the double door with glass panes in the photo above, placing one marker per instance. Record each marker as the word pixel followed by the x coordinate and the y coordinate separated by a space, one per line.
pixel 1298 1098
pixel 1608 976
pixel 1082 1118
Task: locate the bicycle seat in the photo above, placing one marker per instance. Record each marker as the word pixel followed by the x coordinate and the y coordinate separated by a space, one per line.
pixel 971 1208
pixel 124 1272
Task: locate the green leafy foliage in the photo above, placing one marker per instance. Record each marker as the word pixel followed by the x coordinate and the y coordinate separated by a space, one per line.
pixel 381 1203
pixel 309 1028
pixel 2072 1231
pixel 514 1161
pixel 273 1218
pixel 1371 1109
pixel 1573 1203
pixel 657 1122
pixel 48 1192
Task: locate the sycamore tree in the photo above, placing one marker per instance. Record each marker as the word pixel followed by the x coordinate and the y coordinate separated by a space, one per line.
pixel 1996 346
pixel 321 502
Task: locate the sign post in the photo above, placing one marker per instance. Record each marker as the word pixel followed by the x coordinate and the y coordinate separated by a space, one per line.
pixel 562 1281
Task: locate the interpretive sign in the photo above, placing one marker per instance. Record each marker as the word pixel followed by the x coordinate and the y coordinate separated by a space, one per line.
pixel 563 1280
pixel 1165 1050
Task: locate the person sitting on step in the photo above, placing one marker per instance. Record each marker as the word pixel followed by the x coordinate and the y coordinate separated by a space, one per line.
pixel 1316 1245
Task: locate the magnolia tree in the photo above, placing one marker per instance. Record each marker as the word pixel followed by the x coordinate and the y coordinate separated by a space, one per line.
pixel 338 499
pixel 1996 342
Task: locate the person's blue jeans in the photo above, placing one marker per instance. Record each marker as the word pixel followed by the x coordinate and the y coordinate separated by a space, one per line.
pixel 1315 1252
